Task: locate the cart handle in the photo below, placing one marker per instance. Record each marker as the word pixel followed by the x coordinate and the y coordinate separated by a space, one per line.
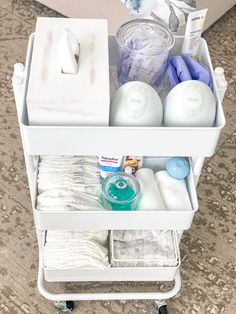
pixel 107 296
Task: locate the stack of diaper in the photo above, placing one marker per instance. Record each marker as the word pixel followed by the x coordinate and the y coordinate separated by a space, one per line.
pixel 68 183
pixel 132 248
pixel 160 191
pixel 75 249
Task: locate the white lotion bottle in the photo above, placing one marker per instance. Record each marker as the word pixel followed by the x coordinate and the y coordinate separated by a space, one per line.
pixel 221 82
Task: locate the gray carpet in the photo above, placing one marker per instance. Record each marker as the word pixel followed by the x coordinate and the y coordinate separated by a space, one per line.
pixel 208 248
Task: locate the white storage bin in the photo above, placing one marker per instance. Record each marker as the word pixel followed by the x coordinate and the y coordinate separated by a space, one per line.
pixel 153 141
pixel 110 220
pixel 111 273
pixel 117 261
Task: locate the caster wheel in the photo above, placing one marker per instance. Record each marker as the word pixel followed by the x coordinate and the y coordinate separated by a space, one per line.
pixel 163 310
pixel 70 305
pixel 161 307
pixel 65 306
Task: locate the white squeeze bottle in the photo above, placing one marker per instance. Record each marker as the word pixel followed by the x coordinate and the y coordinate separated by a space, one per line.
pixel 221 82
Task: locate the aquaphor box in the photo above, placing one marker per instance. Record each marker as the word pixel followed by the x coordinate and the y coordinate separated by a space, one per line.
pixel 69 74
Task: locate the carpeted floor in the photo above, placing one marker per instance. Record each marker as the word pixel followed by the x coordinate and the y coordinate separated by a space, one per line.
pixel 208 249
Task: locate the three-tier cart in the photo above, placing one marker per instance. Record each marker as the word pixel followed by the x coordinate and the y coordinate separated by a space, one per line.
pixel 156 143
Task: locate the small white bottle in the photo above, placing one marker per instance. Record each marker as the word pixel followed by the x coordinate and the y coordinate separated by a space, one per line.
pixel 221 82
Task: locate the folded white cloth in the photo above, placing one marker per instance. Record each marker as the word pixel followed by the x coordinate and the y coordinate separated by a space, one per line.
pixel 143 252
pixel 174 193
pixel 150 198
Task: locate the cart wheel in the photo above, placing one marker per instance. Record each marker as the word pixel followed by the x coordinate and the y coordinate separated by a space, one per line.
pixel 64 306
pixel 161 307
pixel 163 310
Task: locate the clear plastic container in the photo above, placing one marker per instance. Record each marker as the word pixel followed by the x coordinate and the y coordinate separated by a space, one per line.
pixel 144 47
pixel 120 191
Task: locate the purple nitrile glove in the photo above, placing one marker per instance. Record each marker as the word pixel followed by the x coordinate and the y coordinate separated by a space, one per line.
pixel 181 68
pixel 198 71
pixel 172 76
pixel 177 71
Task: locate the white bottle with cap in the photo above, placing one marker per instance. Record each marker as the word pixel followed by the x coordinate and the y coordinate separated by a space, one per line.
pixel 221 82
pixel 136 104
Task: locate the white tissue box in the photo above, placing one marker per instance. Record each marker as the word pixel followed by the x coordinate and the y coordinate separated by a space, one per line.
pixel 57 98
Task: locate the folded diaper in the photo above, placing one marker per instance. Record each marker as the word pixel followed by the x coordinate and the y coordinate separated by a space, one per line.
pixel 68 183
pixel 183 68
pixel 154 248
pixel 67 198
pixel 150 198
pixel 72 249
pixel 173 192
pixel 99 236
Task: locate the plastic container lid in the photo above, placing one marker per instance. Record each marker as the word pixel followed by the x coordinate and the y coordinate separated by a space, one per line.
pixel 178 167
pixel 147 37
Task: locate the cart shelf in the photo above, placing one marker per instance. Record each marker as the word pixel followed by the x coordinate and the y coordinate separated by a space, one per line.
pixel 110 220
pixel 91 140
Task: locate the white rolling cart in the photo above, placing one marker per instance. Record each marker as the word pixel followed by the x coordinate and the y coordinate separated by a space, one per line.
pixel 195 143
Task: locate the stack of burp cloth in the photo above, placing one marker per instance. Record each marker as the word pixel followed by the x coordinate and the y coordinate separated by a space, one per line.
pixel 144 248
pixel 160 191
pixel 68 183
pixel 75 249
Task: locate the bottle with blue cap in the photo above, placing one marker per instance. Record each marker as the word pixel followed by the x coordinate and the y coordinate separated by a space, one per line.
pixel 178 167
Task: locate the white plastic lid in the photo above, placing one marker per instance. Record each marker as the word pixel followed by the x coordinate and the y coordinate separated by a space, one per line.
pixel 146 36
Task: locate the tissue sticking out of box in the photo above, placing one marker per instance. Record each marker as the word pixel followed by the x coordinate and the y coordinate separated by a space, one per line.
pixel 82 98
pixel 68 52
